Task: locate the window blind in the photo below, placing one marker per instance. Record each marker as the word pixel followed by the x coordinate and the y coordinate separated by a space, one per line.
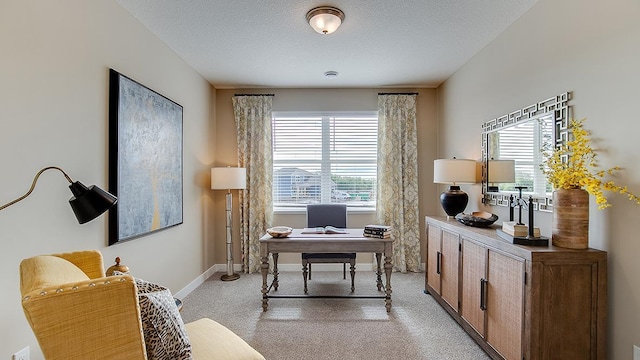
pixel 523 144
pixel 324 158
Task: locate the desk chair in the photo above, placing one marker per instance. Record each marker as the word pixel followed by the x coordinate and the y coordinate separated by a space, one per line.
pixel 328 215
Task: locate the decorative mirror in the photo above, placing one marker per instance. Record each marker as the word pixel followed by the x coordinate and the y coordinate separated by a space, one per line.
pixel 520 136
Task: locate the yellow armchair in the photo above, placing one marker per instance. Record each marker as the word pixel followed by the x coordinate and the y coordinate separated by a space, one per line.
pixel 78 313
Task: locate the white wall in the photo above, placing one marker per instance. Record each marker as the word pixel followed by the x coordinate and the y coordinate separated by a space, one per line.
pixel 54 111
pixel 590 48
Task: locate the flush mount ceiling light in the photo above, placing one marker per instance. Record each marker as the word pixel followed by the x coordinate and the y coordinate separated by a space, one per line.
pixel 325 19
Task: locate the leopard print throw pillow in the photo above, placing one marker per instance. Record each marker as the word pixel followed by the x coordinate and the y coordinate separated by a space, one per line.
pixel 164 332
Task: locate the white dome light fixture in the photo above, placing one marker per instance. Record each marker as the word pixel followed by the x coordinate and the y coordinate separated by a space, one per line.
pixel 325 19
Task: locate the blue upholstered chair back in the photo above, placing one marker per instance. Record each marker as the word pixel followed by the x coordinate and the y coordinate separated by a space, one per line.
pixel 327 214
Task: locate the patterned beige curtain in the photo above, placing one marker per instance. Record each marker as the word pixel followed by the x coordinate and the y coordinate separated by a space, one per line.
pixel 397 198
pixel 253 120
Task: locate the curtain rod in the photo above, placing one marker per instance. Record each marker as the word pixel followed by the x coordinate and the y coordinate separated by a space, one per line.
pixel 408 93
pixel 254 94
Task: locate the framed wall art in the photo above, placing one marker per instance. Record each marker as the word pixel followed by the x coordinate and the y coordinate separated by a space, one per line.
pixel 145 160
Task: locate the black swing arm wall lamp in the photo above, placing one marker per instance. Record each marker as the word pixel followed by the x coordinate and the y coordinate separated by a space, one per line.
pixel 87 202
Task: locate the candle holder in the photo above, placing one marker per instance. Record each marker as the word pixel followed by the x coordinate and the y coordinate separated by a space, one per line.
pixel 518 232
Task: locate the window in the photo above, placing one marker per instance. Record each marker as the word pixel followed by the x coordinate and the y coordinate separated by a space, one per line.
pixel 523 143
pixel 324 158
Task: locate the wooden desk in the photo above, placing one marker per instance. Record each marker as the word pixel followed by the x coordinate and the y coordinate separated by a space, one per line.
pixel 351 242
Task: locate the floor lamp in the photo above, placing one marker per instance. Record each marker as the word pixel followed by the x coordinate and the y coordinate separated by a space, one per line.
pixel 227 178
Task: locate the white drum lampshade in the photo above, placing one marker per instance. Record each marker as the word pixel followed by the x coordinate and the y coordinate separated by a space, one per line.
pixel 500 172
pixel 225 178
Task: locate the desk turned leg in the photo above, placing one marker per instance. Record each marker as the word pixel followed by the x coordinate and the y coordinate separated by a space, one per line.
pixel 305 273
pixel 353 274
pixel 387 271
pixel 264 267
pixel 275 271
pixel 379 271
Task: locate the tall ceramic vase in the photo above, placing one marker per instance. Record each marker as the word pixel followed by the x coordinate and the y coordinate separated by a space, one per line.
pixel 570 228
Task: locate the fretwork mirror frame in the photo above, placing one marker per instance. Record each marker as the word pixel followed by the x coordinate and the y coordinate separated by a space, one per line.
pixel 559 110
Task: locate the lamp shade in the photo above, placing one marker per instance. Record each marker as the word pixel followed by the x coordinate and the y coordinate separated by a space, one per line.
pixel 454 171
pixel 325 19
pixel 501 171
pixel 228 178
pixel 89 202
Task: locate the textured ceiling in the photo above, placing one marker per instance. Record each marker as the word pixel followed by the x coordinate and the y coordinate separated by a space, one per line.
pixel 381 43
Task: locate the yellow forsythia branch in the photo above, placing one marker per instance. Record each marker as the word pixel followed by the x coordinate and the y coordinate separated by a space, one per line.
pixel 580 171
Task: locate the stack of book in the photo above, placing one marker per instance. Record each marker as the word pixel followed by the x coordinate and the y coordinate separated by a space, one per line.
pixel 377 231
pixel 519 234
pixel 519 230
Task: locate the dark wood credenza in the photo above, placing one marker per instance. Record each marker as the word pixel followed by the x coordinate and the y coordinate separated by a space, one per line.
pixel 518 302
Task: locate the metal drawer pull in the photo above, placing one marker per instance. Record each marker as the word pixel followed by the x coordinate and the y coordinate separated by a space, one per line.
pixel 483 294
pixel 438 262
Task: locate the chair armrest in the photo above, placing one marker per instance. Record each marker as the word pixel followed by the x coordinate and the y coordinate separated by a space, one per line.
pixel 89 261
pixel 101 319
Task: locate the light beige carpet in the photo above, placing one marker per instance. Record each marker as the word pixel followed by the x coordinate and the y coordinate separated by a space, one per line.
pixel 416 328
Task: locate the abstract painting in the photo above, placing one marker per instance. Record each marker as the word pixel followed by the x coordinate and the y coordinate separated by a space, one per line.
pixel 145 160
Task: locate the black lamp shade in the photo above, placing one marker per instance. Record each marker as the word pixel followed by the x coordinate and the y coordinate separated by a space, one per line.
pixel 454 200
pixel 89 203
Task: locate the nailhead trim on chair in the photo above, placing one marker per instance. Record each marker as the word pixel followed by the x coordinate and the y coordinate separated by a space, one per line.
pixel 74 287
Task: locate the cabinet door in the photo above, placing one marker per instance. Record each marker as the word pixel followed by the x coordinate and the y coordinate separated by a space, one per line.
pixel 450 253
pixel 472 305
pixel 433 257
pixel 505 304
pixel 574 313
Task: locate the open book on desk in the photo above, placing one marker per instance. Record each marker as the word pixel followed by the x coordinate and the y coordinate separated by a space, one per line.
pixel 324 230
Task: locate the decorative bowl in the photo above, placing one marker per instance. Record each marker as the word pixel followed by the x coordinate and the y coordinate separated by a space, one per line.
pixel 279 231
pixel 477 218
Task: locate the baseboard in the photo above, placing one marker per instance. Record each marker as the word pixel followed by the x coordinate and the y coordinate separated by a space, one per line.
pixel 196 282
